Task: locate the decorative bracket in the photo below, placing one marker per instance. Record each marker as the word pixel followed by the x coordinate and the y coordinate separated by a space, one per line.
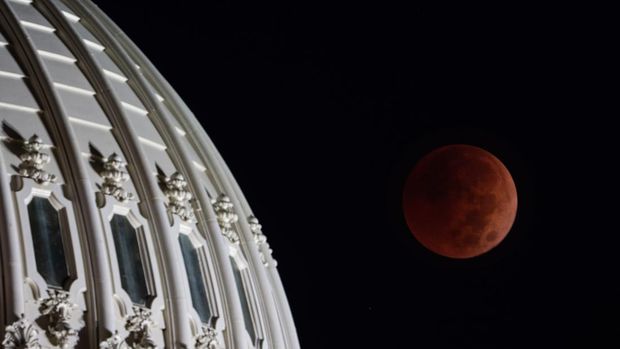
pixel 139 326
pixel 33 161
pixel 261 241
pixel 207 339
pixel 226 217
pixel 114 177
pixel 57 308
pixel 21 335
pixel 179 197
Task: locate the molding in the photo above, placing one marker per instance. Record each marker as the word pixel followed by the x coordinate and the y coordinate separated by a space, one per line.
pixel 207 273
pixel 148 255
pixel 10 248
pixel 36 283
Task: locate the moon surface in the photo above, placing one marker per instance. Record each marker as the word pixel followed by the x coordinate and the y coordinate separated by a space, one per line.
pixel 460 201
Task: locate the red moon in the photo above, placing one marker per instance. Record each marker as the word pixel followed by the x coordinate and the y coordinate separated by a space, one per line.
pixel 460 201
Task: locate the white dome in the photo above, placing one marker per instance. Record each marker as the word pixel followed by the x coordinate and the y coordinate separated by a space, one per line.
pixel 120 224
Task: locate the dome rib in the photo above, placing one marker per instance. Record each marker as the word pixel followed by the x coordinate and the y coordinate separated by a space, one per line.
pixel 98 99
pixel 84 198
pixel 205 147
pixel 11 259
pixel 184 165
pixel 149 191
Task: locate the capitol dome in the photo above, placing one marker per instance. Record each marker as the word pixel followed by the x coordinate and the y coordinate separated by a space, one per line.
pixel 120 224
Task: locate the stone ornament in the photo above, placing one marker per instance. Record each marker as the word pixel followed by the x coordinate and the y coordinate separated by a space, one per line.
pixel 179 197
pixel 57 308
pixel 33 161
pixel 139 326
pixel 261 241
pixel 256 228
pixel 113 342
pixel 207 339
pixel 114 177
pixel 226 217
pixel 21 335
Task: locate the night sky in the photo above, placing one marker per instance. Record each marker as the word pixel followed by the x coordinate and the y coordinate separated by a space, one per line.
pixel 322 109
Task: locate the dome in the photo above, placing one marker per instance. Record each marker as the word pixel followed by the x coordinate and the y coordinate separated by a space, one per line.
pixel 120 224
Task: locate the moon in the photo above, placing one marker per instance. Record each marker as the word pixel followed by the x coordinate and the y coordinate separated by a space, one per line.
pixel 460 201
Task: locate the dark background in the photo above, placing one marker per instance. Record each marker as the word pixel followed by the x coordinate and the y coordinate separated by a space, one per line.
pixel 321 109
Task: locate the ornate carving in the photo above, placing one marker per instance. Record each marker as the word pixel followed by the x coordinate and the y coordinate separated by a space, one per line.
pixel 113 342
pixel 33 161
pixel 261 241
pixel 21 335
pixel 207 339
pixel 139 326
pixel 226 217
pixel 256 227
pixel 57 308
pixel 114 176
pixel 179 197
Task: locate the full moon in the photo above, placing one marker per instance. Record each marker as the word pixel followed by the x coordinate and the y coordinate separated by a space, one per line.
pixel 460 201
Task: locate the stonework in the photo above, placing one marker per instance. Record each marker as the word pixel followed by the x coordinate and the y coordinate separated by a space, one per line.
pixel 57 308
pixel 113 342
pixel 140 325
pixel 104 173
pixel 261 241
pixel 207 339
pixel 226 217
pixel 179 197
pixel 33 159
pixel 21 335
pixel 114 176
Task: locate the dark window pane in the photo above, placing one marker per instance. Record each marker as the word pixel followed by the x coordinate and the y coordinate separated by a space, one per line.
pixel 49 251
pixel 129 259
pixel 245 305
pixel 194 276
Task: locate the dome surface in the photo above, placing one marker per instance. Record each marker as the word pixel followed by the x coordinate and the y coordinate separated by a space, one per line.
pixel 120 224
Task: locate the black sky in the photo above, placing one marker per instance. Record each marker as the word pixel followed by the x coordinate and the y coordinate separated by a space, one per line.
pixel 321 109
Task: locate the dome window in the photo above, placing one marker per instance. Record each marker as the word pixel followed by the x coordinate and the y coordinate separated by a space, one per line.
pixel 245 303
pixel 129 259
pixel 47 238
pixel 195 277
